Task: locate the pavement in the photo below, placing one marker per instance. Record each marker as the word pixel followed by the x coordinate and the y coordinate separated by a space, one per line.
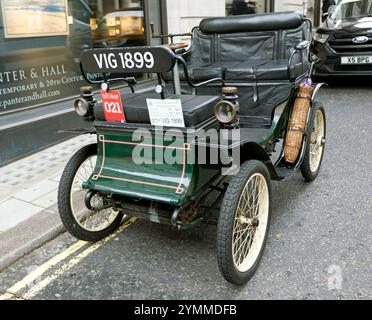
pixel 28 199
pixel 319 246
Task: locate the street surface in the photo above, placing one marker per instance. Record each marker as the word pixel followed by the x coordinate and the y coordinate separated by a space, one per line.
pixel 319 245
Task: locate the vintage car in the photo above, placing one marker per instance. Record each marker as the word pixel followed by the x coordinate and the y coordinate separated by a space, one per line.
pixel 218 122
pixel 342 45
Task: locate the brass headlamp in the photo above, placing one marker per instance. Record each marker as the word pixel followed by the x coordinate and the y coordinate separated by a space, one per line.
pixel 226 110
pixel 84 104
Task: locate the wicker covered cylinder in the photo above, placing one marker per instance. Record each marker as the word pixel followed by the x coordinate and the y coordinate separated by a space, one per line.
pixel 297 123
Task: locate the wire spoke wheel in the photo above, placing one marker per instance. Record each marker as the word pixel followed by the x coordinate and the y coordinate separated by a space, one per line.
pixel 315 143
pixel 250 223
pixel 244 222
pixel 92 220
pixel 86 214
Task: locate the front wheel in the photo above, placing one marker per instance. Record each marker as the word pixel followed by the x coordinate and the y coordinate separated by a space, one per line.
pixel 86 214
pixel 315 143
pixel 244 222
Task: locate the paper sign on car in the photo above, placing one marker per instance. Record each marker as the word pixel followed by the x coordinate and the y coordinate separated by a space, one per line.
pixel 112 106
pixel 167 113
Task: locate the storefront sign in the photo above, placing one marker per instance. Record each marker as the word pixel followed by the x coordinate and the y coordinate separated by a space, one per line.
pixel 25 87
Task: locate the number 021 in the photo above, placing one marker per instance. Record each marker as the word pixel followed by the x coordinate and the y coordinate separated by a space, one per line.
pixel 112 107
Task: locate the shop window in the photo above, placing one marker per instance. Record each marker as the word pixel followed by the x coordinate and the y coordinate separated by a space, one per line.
pixel 39 68
pixel 239 7
pixel 116 23
pixel 80 10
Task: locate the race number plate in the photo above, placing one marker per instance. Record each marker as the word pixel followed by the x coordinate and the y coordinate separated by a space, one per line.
pixel 357 60
pixel 112 106
pixel 167 113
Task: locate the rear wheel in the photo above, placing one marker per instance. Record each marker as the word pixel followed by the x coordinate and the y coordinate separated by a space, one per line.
pixel 86 214
pixel 315 143
pixel 244 222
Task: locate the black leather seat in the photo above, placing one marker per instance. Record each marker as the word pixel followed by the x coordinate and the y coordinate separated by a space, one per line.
pixel 247 48
pixel 242 71
pixel 264 70
pixel 245 71
pixel 253 53
pixel 199 73
pixel 196 109
pixel 207 72
pixel 278 70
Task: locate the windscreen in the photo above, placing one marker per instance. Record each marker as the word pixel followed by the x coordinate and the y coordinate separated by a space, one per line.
pixel 348 10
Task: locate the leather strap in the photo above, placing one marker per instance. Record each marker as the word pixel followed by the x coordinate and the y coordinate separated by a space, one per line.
pixel 303 97
pixel 255 85
pixel 297 129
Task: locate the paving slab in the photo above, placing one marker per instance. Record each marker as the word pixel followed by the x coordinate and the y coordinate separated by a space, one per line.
pixel 36 191
pixel 47 200
pixel 15 211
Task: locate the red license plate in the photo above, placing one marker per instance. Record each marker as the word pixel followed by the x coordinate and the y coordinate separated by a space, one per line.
pixel 112 106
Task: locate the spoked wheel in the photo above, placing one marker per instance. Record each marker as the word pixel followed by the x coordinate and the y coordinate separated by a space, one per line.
pixel 244 222
pixel 86 214
pixel 315 143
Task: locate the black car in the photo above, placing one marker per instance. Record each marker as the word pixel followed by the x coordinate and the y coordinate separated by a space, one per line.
pixel 343 44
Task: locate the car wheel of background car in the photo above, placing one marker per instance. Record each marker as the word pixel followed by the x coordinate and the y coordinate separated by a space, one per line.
pixel 92 224
pixel 244 222
pixel 315 143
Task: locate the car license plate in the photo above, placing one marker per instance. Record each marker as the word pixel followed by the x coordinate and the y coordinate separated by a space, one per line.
pixel 357 60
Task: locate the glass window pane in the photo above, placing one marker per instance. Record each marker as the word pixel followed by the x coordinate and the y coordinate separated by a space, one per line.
pixel 35 71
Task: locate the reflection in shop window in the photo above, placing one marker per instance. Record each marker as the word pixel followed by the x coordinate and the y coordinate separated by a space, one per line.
pixel 119 28
pixel 258 6
pixel 80 10
pixel 31 68
pixel 111 22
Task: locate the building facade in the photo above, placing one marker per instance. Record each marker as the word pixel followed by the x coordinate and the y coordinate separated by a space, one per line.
pixel 40 46
pixel 41 42
pixel 184 15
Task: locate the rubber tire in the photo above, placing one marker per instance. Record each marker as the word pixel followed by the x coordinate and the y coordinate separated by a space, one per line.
pixel 226 221
pixel 305 166
pixel 64 205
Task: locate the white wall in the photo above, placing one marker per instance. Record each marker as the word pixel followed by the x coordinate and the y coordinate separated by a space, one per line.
pixel 296 5
pixel 289 5
pixel 183 15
